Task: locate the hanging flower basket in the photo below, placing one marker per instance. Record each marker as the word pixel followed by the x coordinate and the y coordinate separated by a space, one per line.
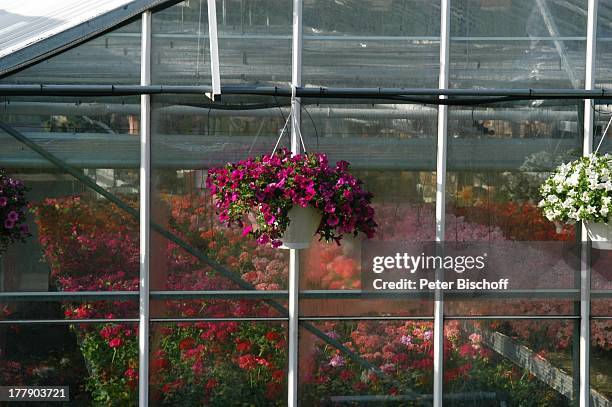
pixel 12 214
pixel 284 200
pixel 582 191
pixel 600 234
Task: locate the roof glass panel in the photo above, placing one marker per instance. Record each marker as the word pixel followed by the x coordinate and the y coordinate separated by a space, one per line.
pixel 26 22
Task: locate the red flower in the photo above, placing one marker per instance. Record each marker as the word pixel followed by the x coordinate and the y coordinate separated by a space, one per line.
pixel 160 363
pixel 247 362
pixel 211 384
pixel 278 375
pixel 115 342
pixel 273 391
pixel 346 375
pixel 186 343
pixel 243 346
pixel 272 336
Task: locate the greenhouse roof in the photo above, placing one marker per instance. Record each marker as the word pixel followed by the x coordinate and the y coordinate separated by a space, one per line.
pixel 35 30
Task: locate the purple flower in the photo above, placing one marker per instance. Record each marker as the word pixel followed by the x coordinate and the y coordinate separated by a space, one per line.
pixel 336 361
pixel 247 230
pixel 223 216
pixel 333 335
pixel 332 220
pixel 406 340
pixel 269 218
pixel 427 335
pixel 3 201
pixel 263 239
pixel 13 216
pixel 9 224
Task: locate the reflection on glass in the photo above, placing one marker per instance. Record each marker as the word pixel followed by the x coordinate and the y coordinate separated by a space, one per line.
pixel 601 357
pixel 254 43
pixel 377 43
pixel 517 44
pixel 191 249
pixel 366 362
pixel 113 59
pixel 488 363
pixel 497 159
pixel 220 364
pixel 80 241
pixel 98 362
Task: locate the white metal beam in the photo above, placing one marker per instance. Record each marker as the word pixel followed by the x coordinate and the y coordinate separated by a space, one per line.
pixel 294 258
pixel 441 156
pixel 145 224
pixel 214 48
pixel 585 269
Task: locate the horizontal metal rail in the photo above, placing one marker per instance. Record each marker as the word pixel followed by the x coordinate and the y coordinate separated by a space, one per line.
pixel 306 92
pixel 305 319
pixel 222 319
pixel 68 321
pixel 280 294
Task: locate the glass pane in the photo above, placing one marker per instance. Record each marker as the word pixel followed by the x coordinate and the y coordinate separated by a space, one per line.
pixel 80 240
pixel 98 362
pixel 601 357
pixel 604 45
pixel 220 364
pixel 601 269
pixel 113 58
pixel 191 249
pixel 392 149
pixel 254 43
pixel 517 44
pixel 497 159
pixel 371 43
pixel 505 362
pixel 366 362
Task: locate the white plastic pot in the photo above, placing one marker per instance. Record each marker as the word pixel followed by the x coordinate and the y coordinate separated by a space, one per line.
pixel 303 224
pixel 600 234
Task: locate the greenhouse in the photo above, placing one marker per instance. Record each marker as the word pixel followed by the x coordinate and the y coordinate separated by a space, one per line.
pixel 446 162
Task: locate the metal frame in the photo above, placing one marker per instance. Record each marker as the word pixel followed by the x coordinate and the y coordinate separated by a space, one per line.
pixel 214 48
pixel 584 395
pixel 294 254
pixel 441 158
pixel 145 213
pixel 56 44
pixel 441 96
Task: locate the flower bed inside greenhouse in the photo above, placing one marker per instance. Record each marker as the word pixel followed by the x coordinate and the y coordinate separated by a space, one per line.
pixel 212 362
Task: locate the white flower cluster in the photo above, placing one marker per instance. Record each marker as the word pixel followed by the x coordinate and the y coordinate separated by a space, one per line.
pixel 579 190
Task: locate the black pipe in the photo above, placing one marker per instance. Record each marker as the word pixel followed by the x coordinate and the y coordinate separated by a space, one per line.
pixel 310 92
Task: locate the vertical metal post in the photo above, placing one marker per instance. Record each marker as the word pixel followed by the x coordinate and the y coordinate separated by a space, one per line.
pixel 441 200
pixel 585 272
pixel 294 258
pixel 214 48
pixel 145 215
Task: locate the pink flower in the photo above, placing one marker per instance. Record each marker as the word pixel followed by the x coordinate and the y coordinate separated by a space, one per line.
pixel 336 361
